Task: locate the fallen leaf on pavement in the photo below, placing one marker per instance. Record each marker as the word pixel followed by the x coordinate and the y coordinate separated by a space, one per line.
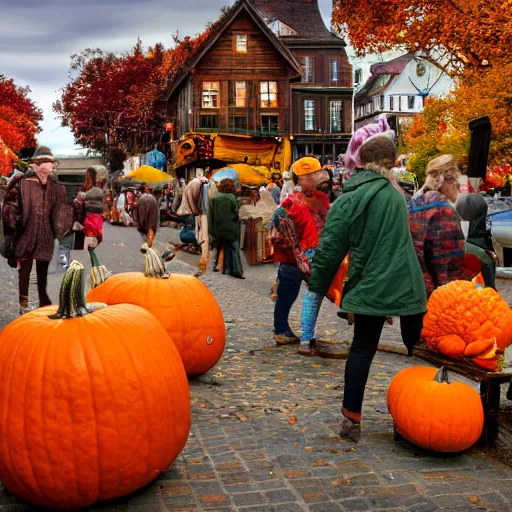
pixel 293 420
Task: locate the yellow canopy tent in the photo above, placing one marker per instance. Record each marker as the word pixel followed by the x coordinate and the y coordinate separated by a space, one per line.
pixel 148 174
pixel 249 174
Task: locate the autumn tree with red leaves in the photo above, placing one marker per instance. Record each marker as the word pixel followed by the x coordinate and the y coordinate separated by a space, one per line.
pixel 116 101
pixel 453 34
pixel 19 116
pixel 111 99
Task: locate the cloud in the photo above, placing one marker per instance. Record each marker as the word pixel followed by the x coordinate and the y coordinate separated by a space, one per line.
pixel 38 37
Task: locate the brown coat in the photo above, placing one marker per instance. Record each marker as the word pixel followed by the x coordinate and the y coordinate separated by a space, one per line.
pixel 36 214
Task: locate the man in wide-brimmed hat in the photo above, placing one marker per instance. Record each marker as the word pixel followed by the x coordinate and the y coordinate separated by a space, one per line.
pixel 36 212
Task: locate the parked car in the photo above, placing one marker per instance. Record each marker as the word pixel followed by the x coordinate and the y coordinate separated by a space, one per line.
pixel 500 223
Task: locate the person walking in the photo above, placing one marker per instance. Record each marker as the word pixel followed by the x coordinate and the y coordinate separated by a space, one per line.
pixel 146 215
pixel 224 229
pixel 297 224
pixel 436 227
pixel 36 213
pixel 369 221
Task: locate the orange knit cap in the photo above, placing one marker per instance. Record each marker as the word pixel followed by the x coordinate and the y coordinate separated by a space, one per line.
pixel 306 165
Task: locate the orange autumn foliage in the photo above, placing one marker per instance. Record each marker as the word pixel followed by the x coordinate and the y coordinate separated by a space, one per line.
pixel 464 34
pixel 465 321
pixel 477 93
pixel 19 116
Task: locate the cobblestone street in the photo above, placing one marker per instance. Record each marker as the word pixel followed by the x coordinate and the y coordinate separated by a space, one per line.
pixel 265 421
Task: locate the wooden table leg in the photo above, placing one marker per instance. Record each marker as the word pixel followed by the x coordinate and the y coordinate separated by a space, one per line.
pixel 490 395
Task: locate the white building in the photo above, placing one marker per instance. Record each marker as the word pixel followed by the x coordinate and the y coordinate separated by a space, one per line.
pixel 398 88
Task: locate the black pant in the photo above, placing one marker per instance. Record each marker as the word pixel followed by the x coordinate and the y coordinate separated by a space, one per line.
pixel 367 331
pixel 42 281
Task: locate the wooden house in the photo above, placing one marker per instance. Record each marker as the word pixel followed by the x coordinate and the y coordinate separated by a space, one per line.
pixel 238 82
pixel 249 79
pixel 321 107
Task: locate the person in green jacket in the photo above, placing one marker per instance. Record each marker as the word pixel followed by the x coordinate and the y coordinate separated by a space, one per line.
pixel 224 229
pixel 369 221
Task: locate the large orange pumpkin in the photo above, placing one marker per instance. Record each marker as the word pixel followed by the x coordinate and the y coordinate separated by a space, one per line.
pixel 93 405
pixel 183 304
pixel 430 411
pixel 467 321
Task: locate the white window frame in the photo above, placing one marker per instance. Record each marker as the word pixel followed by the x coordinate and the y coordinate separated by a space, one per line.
pixel 335 71
pixel 210 95
pixel 332 104
pixel 241 43
pixel 308 70
pixel 309 115
pixel 409 102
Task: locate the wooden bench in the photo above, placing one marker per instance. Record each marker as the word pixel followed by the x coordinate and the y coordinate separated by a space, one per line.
pixel 490 383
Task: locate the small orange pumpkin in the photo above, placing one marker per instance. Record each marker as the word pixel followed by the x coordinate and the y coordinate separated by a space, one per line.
pixel 430 411
pixel 93 404
pixel 335 292
pixel 465 320
pixel 183 304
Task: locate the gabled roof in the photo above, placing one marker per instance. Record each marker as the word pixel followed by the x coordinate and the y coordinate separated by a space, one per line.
pixel 303 16
pixel 392 68
pixel 227 19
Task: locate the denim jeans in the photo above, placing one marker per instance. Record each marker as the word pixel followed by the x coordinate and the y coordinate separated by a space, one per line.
pixel 290 280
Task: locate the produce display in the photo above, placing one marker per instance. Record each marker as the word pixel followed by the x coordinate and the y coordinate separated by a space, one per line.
pixel 431 412
pixel 94 401
pixel 182 303
pixel 466 321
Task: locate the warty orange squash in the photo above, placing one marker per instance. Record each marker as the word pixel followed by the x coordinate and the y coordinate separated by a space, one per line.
pixel 466 321
pixel 182 303
pixel 94 403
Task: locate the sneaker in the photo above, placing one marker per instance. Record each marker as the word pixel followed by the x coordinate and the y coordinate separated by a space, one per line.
pixel 350 430
pixel 286 339
pixel 306 348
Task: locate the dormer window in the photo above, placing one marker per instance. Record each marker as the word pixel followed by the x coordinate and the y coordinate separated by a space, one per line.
pixel 241 43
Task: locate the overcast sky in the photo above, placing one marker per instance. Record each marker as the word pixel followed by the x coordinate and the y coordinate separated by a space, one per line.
pixel 37 38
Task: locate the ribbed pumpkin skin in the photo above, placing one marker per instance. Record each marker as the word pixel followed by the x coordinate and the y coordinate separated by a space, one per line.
pixel 438 417
pixel 91 408
pixel 460 314
pixel 185 307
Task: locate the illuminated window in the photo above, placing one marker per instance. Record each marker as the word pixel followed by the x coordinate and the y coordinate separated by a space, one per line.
pixel 241 43
pixel 268 94
pixel 240 94
pixel 210 95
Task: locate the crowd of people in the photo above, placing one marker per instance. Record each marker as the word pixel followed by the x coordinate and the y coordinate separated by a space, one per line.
pixel 400 245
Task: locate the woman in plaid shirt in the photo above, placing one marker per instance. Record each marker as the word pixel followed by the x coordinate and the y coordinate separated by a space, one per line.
pixel 435 226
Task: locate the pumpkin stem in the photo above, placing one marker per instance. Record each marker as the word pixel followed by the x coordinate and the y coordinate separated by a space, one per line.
pixel 442 376
pixel 94 259
pixel 72 298
pixel 153 264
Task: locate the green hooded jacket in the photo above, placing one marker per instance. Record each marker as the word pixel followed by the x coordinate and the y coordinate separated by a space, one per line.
pixel 370 221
